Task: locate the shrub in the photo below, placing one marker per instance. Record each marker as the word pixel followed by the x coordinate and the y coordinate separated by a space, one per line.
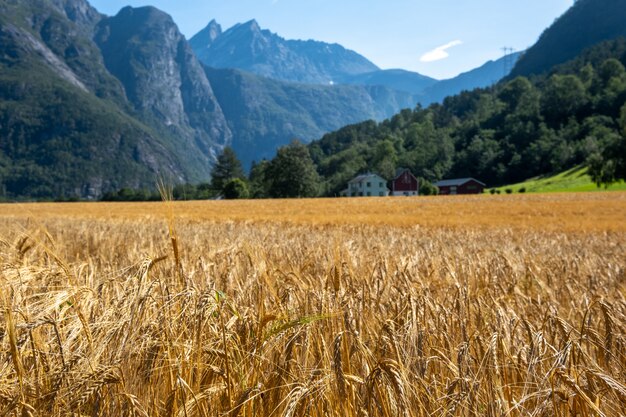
pixel 236 189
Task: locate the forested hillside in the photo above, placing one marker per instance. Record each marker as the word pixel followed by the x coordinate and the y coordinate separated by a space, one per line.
pixel 515 130
pixel 585 24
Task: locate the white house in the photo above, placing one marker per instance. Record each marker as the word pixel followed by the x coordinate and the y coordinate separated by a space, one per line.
pixel 367 185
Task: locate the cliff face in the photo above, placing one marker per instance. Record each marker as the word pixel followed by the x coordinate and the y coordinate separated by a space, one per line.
pixel 69 127
pixel 162 78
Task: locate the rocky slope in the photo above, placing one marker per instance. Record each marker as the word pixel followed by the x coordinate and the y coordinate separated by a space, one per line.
pixel 163 79
pixel 65 126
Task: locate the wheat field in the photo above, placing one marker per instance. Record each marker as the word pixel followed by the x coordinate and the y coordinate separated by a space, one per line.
pixel 460 306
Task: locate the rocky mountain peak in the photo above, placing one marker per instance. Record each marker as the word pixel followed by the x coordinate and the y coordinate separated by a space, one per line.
pixel 143 18
pixel 248 47
pixel 251 25
pixel 80 12
pixel 206 36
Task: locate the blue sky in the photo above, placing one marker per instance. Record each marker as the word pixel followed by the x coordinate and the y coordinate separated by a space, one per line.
pixel 439 38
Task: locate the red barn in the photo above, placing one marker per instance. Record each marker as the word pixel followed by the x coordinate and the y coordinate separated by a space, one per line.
pixel 404 184
pixel 460 186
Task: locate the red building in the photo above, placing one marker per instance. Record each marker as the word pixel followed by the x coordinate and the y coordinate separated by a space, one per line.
pixel 460 186
pixel 404 184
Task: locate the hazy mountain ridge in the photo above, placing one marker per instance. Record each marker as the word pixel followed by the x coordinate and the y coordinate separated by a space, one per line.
pixel 397 79
pixel 484 76
pixel 264 113
pixel 247 47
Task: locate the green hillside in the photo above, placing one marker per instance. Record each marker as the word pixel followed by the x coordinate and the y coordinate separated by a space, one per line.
pixel 519 129
pixel 572 180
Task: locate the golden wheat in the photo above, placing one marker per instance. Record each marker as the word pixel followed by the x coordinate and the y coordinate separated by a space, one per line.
pixel 315 308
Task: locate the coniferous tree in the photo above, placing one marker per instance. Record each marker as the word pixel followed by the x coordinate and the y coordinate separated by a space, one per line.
pixel 226 168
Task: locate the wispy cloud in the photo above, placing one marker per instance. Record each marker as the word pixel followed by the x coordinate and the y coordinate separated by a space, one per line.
pixel 440 52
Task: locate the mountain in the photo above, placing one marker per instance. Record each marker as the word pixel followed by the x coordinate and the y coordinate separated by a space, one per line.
pixel 586 23
pixel 247 47
pixel 66 128
pixel 91 103
pixel 163 79
pixel 264 114
pixel 486 75
pixel 396 79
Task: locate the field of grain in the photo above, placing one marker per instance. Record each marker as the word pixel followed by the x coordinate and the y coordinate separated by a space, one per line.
pixel 461 306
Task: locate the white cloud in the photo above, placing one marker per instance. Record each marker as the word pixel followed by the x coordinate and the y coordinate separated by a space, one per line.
pixel 440 52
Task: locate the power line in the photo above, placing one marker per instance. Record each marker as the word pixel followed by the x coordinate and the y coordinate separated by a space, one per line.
pixel 508 60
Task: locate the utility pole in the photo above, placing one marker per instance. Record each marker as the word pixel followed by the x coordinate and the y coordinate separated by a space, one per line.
pixel 508 61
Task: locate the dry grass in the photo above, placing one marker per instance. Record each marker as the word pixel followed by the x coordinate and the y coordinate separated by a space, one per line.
pixel 315 308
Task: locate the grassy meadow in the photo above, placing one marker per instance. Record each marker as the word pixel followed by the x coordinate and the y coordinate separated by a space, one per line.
pixel 573 180
pixel 441 306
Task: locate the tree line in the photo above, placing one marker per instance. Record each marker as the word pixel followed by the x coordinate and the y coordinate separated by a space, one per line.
pixel 290 174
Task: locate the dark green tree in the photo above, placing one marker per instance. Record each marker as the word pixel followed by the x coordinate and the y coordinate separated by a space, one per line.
pixel 563 97
pixel 259 185
pixel 235 189
pixel 610 166
pixel 225 169
pixel 385 159
pixel 292 173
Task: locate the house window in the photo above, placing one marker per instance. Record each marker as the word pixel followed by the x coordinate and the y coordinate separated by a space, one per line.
pixel 360 193
pixel 369 184
pixel 369 194
pixel 380 184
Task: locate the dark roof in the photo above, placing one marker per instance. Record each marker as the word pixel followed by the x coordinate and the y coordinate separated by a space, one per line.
pixel 456 182
pixel 400 171
pixel 365 177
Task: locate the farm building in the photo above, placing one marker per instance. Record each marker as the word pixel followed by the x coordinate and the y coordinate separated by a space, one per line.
pixel 367 185
pixel 460 186
pixel 404 184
